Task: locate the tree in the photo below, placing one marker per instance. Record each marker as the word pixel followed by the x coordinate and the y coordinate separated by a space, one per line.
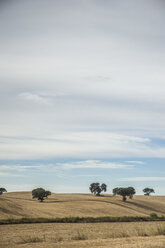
pixel 148 191
pixel 2 190
pixel 47 193
pixel 40 194
pixel 103 187
pixel 115 190
pixel 96 188
pixel 123 192
pixel 129 191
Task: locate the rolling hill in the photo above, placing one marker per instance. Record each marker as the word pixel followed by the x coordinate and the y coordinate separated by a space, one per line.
pixel 21 204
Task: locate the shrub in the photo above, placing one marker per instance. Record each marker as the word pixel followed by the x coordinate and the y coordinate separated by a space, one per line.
pixel 154 215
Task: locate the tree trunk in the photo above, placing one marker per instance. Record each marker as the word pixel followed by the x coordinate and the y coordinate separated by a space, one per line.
pixel 124 198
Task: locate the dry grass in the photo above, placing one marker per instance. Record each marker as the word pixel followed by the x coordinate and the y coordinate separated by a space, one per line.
pixel 105 235
pixel 79 236
pixel 82 235
pixel 21 204
pixel 30 239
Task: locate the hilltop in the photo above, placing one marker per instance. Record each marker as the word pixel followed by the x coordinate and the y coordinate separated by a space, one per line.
pixel 21 204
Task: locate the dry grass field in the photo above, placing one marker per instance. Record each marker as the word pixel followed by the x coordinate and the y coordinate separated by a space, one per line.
pixel 21 204
pixel 81 235
pixel 101 235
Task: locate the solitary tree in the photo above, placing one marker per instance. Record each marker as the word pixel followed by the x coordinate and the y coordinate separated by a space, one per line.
pixel 148 191
pixel 124 192
pixel 2 190
pixel 96 188
pixel 40 194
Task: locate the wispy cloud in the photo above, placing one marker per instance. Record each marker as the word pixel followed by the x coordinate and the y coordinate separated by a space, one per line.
pixel 142 179
pixel 6 174
pixel 135 162
pixel 95 164
pixel 76 145
pixel 35 98
pixel 19 167
pixel 70 165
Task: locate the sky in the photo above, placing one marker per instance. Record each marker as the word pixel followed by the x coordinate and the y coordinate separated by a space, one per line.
pixel 82 94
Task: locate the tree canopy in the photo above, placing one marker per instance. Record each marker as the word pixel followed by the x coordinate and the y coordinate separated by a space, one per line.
pixel 148 191
pixel 2 190
pixel 124 192
pixel 131 192
pixel 115 190
pixel 96 188
pixel 40 194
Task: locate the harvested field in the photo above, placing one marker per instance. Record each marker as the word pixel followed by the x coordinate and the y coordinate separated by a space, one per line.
pixel 67 235
pixel 21 204
pixel 105 235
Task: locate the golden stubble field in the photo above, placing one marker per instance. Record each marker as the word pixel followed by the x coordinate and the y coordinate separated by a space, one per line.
pixel 105 235
pixel 81 235
pixel 21 204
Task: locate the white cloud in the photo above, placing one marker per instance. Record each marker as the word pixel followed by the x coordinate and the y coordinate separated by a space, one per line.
pixel 6 174
pixel 135 162
pixel 95 164
pixel 36 98
pixel 19 167
pixel 142 179
pixel 98 145
pixel 59 167
pixel 100 72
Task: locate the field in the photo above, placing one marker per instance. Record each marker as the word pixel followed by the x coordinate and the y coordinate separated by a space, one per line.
pixel 81 235
pixel 105 235
pixel 21 204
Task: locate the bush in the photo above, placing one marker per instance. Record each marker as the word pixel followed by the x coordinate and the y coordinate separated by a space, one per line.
pixel 153 215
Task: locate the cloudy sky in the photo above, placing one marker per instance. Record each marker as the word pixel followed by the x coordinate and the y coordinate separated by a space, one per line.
pixel 82 94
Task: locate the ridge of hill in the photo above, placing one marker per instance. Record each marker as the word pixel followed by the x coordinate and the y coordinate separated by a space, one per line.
pixel 21 204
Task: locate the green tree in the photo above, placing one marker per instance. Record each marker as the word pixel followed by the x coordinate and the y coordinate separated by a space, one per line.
pixel 40 194
pixel 96 188
pixel 103 187
pixel 148 191
pixel 2 190
pixel 124 192
pixel 131 192
pixel 115 190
